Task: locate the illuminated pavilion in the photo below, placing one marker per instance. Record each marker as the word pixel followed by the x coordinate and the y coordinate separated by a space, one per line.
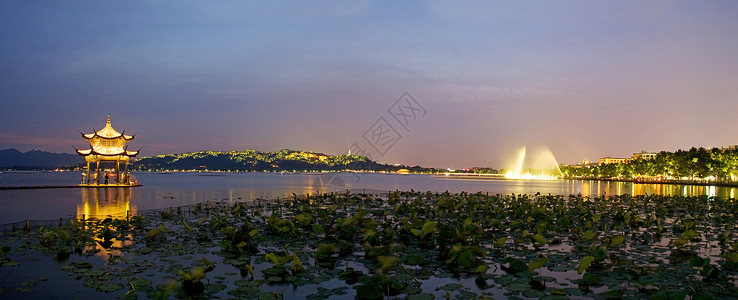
pixel 108 146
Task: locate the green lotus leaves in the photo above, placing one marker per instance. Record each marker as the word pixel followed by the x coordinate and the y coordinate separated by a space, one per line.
pixel 369 291
pixel 318 229
pixel 386 262
pixel 428 229
pixel 617 240
pixel 731 261
pixel 588 235
pixel 539 238
pixel 690 234
pixel 296 264
pixel 151 234
pixel 702 296
pixel 665 294
pixel 195 274
pixel 325 251
pixel 304 219
pixel 622 246
pixel 278 258
pixel 592 279
pixel 612 294
pixel 680 242
pixel 584 264
pixel 500 242
pixel 537 263
pixel 732 257
pixel 481 269
pixel 516 265
pixel 111 287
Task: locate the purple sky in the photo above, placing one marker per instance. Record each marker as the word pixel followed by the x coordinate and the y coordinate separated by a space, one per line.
pixel 587 79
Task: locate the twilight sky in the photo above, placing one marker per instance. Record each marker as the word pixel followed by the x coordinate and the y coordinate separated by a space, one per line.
pixel 586 79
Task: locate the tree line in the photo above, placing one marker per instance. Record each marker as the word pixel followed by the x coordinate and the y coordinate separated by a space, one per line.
pixel 699 164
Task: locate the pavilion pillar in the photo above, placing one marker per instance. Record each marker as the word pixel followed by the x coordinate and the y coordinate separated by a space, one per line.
pixel 126 174
pixel 117 171
pixel 97 172
pixel 88 173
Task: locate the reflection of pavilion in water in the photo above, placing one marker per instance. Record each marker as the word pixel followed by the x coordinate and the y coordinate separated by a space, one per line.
pixel 103 203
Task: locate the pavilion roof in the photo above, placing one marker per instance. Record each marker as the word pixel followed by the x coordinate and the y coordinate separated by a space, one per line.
pixel 107 142
pixel 108 133
pixel 124 152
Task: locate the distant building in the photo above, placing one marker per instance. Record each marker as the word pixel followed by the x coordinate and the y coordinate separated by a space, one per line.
pixel 586 163
pixel 731 147
pixel 613 160
pixel 644 155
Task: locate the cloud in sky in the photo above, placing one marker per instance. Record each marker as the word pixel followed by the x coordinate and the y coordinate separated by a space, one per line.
pixel 587 79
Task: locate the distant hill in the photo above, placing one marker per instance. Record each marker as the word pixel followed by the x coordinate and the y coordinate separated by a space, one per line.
pixel 36 159
pixel 252 160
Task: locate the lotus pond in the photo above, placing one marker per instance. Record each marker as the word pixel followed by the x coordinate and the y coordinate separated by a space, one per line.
pixel 407 245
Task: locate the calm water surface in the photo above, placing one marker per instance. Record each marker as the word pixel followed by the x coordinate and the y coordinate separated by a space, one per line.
pixel 174 189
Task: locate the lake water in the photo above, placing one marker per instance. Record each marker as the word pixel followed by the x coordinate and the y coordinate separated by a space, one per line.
pixel 175 189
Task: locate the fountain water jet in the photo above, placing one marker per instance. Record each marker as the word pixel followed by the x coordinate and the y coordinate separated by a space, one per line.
pixel 542 165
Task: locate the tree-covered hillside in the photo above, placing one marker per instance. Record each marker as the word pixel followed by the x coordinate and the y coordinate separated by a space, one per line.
pixel 36 159
pixel 252 160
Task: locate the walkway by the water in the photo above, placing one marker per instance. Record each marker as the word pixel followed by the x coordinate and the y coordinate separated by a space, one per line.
pixel 112 185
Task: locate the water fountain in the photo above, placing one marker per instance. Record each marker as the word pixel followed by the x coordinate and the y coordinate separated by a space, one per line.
pixel 541 165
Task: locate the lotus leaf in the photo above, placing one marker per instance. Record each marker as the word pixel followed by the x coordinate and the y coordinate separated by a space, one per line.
pixel 537 263
pixel 277 259
pixel 732 257
pixel 702 296
pixel 612 294
pixel 481 269
pixel 414 258
pixel 304 219
pixel 451 287
pixel 296 264
pixel 500 242
pixel 591 278
pixel 151 234
pixel 386 262
pixel 369 291
pixel 420 297
pixel 516 265
pixel 111 287
pixel 269 296
pixel 584 264
pixel 588 235
pixel 665 294
pixel 617 240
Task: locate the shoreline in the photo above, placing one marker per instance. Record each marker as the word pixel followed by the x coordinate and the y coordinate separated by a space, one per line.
pixel 672 182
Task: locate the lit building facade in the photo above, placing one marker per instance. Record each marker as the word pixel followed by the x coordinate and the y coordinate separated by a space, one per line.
pixel 644 155
pixel 107 146
pixel 612 160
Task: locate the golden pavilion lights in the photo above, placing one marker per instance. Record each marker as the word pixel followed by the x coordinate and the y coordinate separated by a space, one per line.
pixel 107 146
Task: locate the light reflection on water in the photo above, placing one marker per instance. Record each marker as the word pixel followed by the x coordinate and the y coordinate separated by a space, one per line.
pixel 100 203
pixel 593 188
pixel 176 189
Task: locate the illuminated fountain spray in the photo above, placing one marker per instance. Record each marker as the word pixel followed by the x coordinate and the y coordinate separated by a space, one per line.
pixel 542 165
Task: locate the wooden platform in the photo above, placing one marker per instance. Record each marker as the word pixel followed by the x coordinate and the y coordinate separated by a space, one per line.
pixel 97 186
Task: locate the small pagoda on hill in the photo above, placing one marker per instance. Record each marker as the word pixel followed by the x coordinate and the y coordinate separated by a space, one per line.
pixel 107 146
